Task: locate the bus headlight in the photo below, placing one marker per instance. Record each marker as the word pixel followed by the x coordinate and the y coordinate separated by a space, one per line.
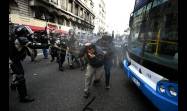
pixel 172 91
pixel 162 89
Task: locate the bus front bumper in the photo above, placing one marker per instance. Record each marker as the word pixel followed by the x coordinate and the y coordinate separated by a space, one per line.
pixel 161 102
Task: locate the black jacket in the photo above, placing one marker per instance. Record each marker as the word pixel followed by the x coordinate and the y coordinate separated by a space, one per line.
pixel 16 55
pixel 98 60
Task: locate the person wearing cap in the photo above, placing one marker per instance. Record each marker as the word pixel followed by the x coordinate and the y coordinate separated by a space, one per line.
pixel 94 56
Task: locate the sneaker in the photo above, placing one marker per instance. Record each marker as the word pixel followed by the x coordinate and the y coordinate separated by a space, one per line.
pixel 26 100
pixel 86 94
pixel 107 87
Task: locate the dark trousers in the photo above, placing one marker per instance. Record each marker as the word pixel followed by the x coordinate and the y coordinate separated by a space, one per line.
pixel 17 69
pixel 21 88
pixel 61 60
pixel 45 53
pixel 53 57
pixel 53 53
pixel 107 68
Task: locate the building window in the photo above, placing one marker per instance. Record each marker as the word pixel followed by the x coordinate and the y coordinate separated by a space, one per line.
pixel 40 14
pixel 61 21
pixel 67 23
pixel 52 18
pixel 63 4
pixel 91 3
pixel 70 9
pixel 87 17
pixel 76 9
pixel 84 15
pixel 90 19
pixel 81 12
pixel 55 1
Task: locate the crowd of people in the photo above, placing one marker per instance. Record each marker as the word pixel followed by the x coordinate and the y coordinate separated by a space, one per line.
pixel 91 57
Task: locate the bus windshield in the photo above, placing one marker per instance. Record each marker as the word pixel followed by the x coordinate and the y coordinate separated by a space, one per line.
pixel 154 35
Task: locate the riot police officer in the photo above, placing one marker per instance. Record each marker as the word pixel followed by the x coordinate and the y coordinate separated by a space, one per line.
pixel 18 44
pixel 62 53
pixel 53 50
pixel 72 47
pixel 17 53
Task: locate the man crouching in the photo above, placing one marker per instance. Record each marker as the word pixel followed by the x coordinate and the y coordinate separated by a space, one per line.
pixel 94 56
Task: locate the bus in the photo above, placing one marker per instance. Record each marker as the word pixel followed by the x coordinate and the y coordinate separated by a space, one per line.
pixel 151 61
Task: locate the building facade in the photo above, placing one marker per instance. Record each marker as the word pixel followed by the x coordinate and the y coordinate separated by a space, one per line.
pixel 62 14
pixel 100 16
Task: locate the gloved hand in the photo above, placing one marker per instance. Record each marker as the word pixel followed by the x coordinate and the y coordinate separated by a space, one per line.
pixel 13 83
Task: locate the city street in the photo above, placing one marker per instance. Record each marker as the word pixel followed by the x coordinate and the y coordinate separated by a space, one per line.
pixel 138 37
pixel 54 90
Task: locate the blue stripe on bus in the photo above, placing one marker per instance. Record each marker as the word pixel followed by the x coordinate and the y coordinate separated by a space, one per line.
pixel 161 102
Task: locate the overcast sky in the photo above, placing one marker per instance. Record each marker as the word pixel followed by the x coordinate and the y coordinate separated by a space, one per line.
pixel 118 14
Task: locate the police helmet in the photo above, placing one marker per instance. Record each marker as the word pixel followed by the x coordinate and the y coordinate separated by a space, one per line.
pixel 22 30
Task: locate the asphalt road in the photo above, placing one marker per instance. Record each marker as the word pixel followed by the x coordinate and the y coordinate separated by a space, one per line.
pixel 63 91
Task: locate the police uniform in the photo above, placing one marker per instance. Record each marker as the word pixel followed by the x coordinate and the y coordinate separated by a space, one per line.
pixel 53 50
pixel 62 54
pixel 72 46
pixel 18 44
pixel 16 56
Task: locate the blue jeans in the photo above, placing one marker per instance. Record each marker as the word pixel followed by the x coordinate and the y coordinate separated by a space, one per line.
pixel 107 68
pixel 45 53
